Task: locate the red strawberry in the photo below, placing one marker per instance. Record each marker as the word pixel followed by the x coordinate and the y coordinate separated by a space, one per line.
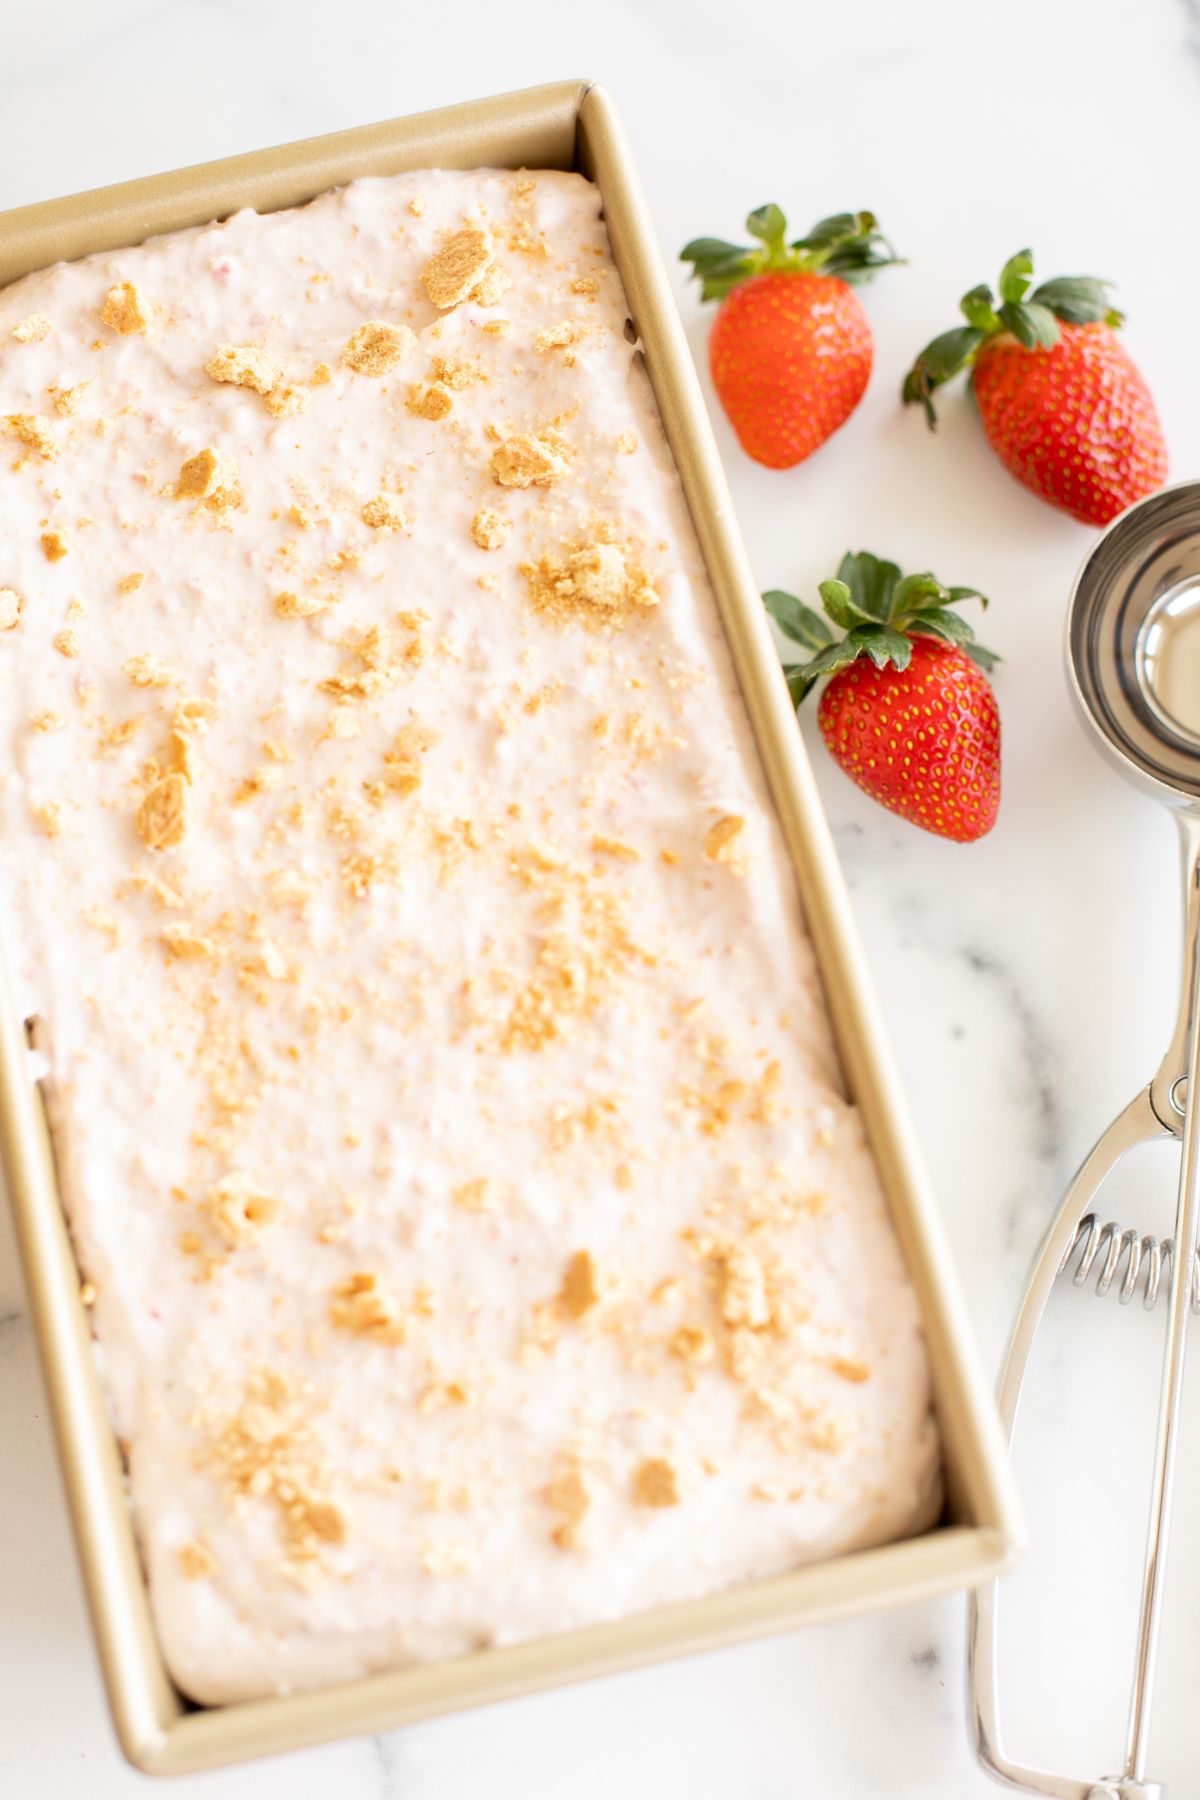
pixel 909 713
pixel 1063 405
pixel 791 348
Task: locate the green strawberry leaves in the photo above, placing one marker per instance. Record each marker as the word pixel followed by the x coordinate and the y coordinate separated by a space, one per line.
pixel 849 245
pixel 939 362
pixel 797 621
pixel 1079 300
pixel 879 612
pixel 1032 318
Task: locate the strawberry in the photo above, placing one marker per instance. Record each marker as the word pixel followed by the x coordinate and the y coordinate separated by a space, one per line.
pixel 1062 402
pixel 908 713
pixel 791 349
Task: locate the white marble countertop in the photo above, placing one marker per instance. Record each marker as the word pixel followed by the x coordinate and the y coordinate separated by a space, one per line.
pixel 1028 982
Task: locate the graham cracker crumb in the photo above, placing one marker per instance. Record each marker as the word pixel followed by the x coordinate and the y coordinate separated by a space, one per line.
pixel 196 1560
pixel 721 844
pixel 185 942
pixel 416 206
pixel 402 763
pixel 321 376
pixel 742 1288
pixel 361 1306
pixel 266 1450
pixel 627 443
pixel 203 475
pixel 300 606
pixel 566 1494
pixel 692 1344
pixel 245 365
pixel 490 529
pixel 429 402
pixel 599 583
pixel 161 819
pixel 580 1290
pixel 32 430
pixel 287 399
pixel 125 309
pixel 32 330
pixel 238 1212
pixel 554 337
pixel 849 1368
pixel 150 672
pixel 129 584
pixel 47 720
pixel 530 459
pixel 606 846
pixel 492 286
pixel 10 608
pixel 49 818
pixel 496 327
pixel 655 1484
pixel 476 1196
pixel 458 267
pixel 67 643
pixel 385 515
pixel 585 284
pixel 377 347
pixel 53 546
pixel 68 400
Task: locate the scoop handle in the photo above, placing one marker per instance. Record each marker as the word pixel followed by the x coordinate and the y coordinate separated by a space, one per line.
pixel 1185 1099
pixel 1166 1090
pixel 1138 1124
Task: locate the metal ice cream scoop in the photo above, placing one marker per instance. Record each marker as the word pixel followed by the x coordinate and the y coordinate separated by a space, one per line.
pixel 1133 662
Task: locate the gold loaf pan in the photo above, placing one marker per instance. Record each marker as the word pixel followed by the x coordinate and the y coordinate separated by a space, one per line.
pixel 567 125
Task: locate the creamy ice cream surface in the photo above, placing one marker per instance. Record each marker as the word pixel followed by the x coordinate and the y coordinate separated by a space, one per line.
pixel 477 1239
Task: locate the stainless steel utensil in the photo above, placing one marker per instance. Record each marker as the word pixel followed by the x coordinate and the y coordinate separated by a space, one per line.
pixel 1133 661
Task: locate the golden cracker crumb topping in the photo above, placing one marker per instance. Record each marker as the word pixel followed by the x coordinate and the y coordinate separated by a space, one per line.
pixel 567 1495
pixel 530 459
pixel 203 475
pixel 722 843
pixel 287 399
pixel 10 608
pixel 301 606
pixel 742 1288
pixel 580 1290
pixel 68 400
pixel 554 337
pixel 245 365
pixel 32 330
pixel 161 819
pixel 429 401
pixel 599 583
pixel 490 528
pixel 125 309
pixel 361 1306
pixel 377 347
pixel 458 268
pixel 383 514
pixel 147 671
pixel 32 430
pixel 196 1560
pixel 655 1483
pixel 238 1212
pixel 54 546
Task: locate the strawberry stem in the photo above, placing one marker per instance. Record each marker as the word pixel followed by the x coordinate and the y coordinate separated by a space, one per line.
pixel 1032 318
pixel 879 612
pixel 848 245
